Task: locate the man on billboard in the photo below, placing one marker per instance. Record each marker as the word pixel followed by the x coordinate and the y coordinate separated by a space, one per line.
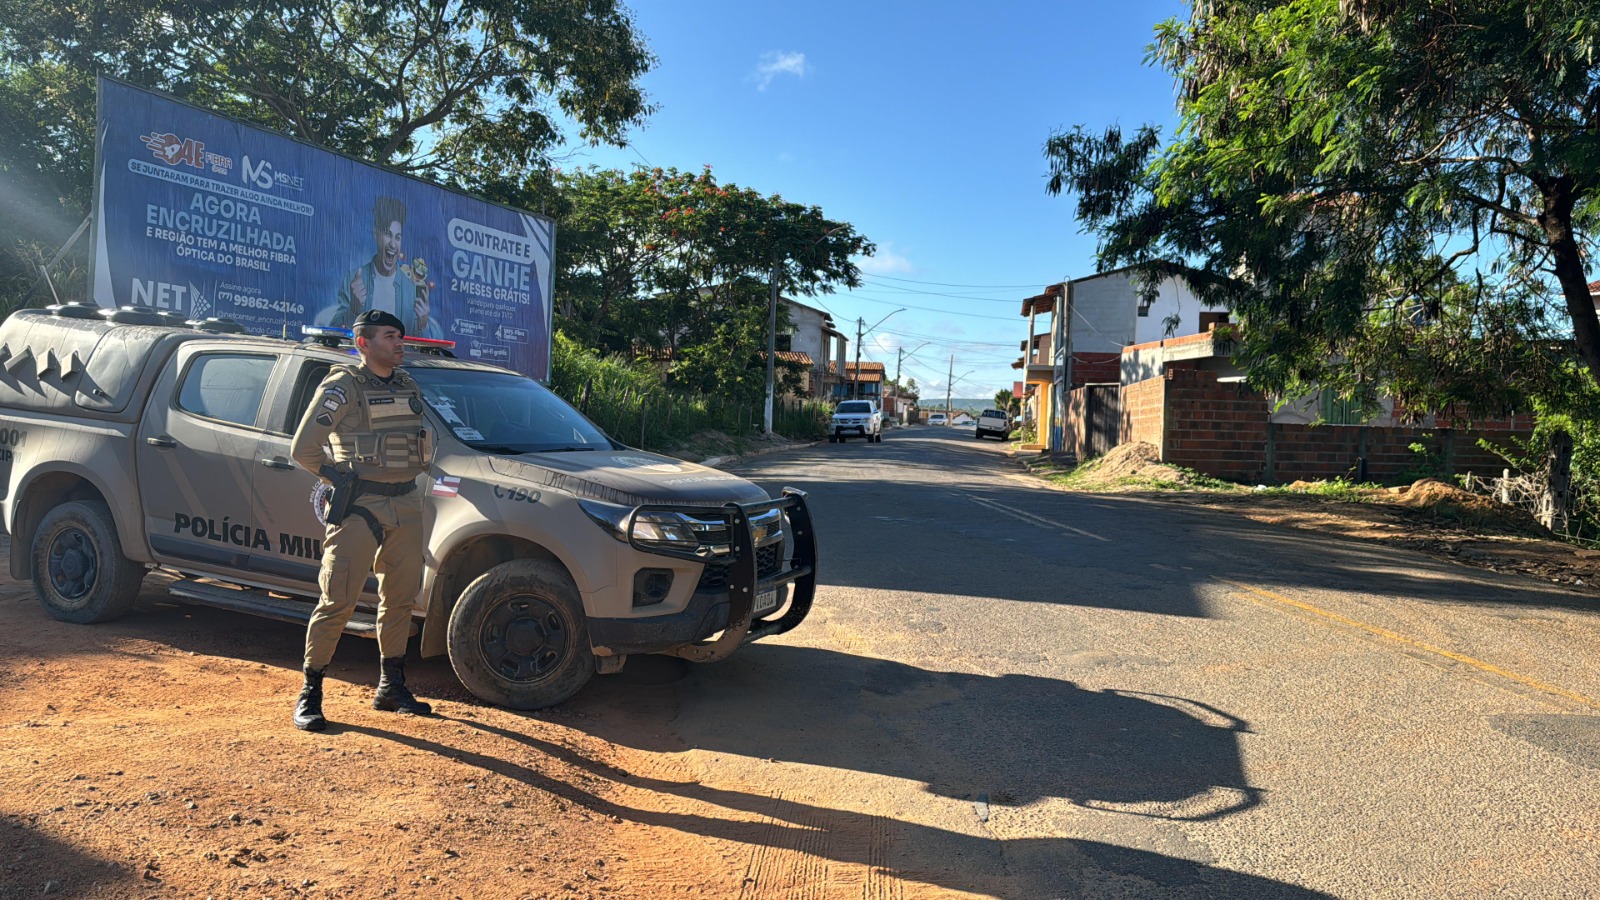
pixel 386 282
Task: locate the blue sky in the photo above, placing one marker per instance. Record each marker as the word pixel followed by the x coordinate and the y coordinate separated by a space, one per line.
pixel 922 124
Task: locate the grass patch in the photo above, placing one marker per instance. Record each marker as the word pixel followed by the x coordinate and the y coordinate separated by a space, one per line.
pixel 1092 476
pixel 1336 489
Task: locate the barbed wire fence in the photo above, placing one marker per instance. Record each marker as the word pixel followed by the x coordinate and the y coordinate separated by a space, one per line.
pixel 1549 493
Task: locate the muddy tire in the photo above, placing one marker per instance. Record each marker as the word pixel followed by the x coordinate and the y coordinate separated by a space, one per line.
pixel 79 572
pixel 518 637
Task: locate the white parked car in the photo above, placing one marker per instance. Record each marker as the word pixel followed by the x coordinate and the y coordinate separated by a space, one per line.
pixel 938 419
pixel 856 418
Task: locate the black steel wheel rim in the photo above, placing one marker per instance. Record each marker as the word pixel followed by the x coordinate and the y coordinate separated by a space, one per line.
pixel 72 564
pixel 524 638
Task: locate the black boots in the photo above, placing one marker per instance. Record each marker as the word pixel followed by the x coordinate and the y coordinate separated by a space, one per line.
pixel 308 709
pixel 392 695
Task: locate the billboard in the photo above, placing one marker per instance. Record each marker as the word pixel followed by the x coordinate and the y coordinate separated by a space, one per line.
pixel 206 216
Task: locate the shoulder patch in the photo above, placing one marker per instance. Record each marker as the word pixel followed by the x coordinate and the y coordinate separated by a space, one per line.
pixel 335 392
pixel 324 419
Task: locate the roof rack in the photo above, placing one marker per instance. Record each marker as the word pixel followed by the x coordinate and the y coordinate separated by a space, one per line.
pixel 216 326
pixel 132 315
pixel 74 309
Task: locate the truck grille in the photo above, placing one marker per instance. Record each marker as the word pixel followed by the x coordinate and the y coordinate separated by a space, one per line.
pixel 769 562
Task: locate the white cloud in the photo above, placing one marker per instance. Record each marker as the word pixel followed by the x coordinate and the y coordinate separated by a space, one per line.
pixel 774 63
pixel 885 262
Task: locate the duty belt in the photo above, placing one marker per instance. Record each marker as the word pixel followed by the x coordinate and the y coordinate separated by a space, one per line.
pixel 386 489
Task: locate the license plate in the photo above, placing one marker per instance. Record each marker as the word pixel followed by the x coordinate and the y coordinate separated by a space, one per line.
pixel 766 600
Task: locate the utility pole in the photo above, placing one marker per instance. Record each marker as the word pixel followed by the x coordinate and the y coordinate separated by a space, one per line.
pixel 898 362
pixel 947 386
pixel 855 376
pixel 772 347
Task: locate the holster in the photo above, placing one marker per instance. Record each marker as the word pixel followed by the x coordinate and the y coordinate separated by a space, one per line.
pixel 343 496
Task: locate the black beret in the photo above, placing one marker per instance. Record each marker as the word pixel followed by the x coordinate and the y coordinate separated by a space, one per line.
pixel 379 318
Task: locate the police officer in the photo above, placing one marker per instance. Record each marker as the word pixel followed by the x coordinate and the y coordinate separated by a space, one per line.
pixel 370 417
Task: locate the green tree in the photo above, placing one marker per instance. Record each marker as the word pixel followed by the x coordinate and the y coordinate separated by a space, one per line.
pixel 459 91
pixel 678 262
pixel 1397 193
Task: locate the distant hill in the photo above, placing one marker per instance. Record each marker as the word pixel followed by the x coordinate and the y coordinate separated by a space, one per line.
pixel 972 405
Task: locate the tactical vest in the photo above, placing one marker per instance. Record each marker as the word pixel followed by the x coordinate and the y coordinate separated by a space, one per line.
pixel 384 434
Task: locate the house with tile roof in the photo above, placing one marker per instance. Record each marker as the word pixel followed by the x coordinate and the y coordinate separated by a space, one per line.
pixel 867 383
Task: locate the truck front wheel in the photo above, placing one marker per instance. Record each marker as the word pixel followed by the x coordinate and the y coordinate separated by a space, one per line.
pixel 518 637
pixel 79 572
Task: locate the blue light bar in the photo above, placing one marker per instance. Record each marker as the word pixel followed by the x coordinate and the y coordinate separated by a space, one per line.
pixel 323 331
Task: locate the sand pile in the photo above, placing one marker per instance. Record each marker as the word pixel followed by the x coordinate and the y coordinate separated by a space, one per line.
pixel 1135 460
pixel 1446 501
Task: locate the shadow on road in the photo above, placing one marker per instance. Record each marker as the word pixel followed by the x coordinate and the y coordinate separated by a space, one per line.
pixel 1026 868
pixel 1014 739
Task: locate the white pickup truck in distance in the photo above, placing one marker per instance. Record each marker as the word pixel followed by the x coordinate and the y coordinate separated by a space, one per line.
pixel 856 418
pixel 993 422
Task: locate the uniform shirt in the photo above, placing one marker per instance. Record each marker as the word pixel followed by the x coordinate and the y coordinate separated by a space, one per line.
pixel 373 425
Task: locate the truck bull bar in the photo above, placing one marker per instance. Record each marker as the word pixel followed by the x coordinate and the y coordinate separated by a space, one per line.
pixel 744 581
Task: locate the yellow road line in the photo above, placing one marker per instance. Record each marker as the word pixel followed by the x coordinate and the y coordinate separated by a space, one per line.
pixel 1419 645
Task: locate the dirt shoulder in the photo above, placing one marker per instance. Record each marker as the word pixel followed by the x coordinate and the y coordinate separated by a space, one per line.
pixel 153 757
pixel 1429 516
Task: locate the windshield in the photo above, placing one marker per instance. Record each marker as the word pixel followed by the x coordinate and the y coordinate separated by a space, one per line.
pixel 855 406
pixel 503 413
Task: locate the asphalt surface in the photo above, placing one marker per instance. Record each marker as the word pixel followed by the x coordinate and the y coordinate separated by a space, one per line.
pixel 1011 691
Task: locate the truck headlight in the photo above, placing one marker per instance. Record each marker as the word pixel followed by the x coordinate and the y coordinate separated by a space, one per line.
pixel 669 530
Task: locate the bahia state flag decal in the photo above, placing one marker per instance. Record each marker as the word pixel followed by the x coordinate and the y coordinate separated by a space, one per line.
pixel 447 486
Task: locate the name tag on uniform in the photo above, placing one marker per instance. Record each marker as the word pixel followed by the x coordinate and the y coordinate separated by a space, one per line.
pixel 384 406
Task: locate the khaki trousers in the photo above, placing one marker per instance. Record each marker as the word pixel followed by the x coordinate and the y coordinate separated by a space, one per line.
pixel 348 554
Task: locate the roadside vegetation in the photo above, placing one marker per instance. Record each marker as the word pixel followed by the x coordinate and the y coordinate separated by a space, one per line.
pixel 630 402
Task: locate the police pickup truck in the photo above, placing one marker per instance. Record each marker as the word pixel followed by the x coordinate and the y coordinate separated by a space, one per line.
pixel 131 441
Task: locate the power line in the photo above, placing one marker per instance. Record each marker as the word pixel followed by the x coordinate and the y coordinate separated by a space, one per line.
pixel 1012 319
pixel 946 338
pixel 905 290
pixel 946 284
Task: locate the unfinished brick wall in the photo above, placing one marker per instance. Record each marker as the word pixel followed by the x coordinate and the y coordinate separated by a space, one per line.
pixel 1224 430
pixel 1144 411
pixel 1218 429
pixel 1096 368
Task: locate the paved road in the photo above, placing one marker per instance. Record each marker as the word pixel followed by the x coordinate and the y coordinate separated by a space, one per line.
pixel 1015 692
